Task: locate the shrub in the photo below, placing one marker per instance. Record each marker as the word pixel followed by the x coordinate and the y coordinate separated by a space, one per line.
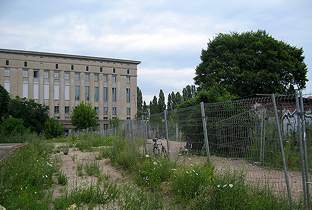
pixel 52 128
pixel 152 171
pixel 187 181
pixel 84 116
pixel 12 127
pixel 4 102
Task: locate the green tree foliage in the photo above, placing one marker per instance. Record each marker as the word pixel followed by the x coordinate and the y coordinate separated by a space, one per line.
pixel 53 128
pixel 33 114
pixel 169 102
pixel 178 99
pixel 154 108
pixel 188 92
pixel 161 101
pixel 4 102
pixel 12 127
pixel 139 103
pixel 114 122
pixel 145 110
pixel 249 63
pixel 84 116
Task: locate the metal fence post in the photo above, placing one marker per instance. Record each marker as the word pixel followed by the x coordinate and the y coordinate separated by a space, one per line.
pixel 299 131
pixel 166 128
pixel 304 142
pixel 282 151
pixel 202 109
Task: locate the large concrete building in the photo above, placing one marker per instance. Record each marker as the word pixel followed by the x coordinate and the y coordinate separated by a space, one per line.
pixel 62 81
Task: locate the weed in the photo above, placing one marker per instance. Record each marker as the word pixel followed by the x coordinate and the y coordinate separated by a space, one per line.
pixel 87 142
pixel 79 169
pixel 92 169
pixel 62 178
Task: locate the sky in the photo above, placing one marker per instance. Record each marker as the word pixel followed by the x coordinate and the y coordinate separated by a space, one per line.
pixel 166 36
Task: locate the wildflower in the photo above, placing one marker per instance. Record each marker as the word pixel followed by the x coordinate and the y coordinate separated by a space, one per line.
pixel 218 186
pixel 147 156
pixel 72 207
pixel 173 169
pixel 49 164
pixel 155 163
pixel 35 192
pixel 224 185
pixel 231 185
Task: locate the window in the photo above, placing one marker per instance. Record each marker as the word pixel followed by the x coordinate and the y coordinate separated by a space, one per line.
pixel 128 71
pixel 105 94
pixel 66 76
pixel 36 74
pixel 128 111
pixel 96 109
pixel 128 95
pixel 56 91
pixel 105 77
pixel 128 79
pixel 25 89
pixel 36 91
pixel 77 93
pixel 87 77
pixel 46 91
pixel 56 109
pixel 6 72
pixel 25 63
pixel 87 68
pixel 72 67
pixel 114 70
pixel 114 78
pixel 46 75
pixel 96 77
pixel 114 110
pixel 56 75
pixel 25 73
pixel 66 109
pixel 66 92
pixel 77 76
pixel 7 62
pixel 56 66
pixel 87 93
pixel 105 110
pixel 101 69
pixel 114 94
pixel 7 85
pixel 96 94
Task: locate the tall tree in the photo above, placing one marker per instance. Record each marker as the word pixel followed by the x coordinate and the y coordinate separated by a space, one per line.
pixel 173 101
pixel 161 101
pixel 249 63
pixel 154 108
pixel 139 102
pixel 178 98
pixel 169 102
pixel 145 110
pixel 84 116
pixel 4 102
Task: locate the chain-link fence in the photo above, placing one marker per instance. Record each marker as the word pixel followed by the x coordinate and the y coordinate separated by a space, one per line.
pixel 266 137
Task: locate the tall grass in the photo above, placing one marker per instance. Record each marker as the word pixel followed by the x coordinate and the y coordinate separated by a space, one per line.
pixel 25 176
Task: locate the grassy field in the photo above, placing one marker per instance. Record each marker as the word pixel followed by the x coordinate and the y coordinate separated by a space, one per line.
pixel 112 173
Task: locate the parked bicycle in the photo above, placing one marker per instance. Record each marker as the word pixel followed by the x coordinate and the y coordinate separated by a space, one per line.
pixel 158 148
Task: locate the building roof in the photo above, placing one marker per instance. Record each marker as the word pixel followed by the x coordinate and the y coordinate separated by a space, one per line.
pixel 60 55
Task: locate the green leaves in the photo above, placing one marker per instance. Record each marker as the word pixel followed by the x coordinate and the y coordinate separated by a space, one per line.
pixel 84 116
pixel 249 63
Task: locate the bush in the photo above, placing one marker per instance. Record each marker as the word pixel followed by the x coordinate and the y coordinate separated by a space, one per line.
pixel 12 127
pixel 84 116
pixel 52 128
pixel 152 172
pixel 187 181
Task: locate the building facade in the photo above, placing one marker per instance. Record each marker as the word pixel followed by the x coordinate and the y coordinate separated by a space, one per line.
pixel 62 81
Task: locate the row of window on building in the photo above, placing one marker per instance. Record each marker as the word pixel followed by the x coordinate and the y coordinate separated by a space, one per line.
pixel 56 76
pixel 105 110
pixel 72 67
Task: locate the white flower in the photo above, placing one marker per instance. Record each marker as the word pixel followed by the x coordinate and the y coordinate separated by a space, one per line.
pixel 224 185
pixel 231 185
pixel 155 163
pixel 49 164
pixel 147 156
pixel 196 174
pixel 173 169
pixel 218 186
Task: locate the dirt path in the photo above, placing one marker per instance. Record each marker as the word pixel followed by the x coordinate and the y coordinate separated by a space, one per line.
pixel 255 175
